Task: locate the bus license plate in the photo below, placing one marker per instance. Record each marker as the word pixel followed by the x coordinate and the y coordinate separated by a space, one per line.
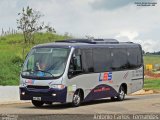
pixel 37 98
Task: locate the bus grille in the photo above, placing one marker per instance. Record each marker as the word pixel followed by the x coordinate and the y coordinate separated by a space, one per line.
pixel 37 87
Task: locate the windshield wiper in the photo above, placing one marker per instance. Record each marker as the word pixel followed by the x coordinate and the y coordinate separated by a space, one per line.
pixel 29 70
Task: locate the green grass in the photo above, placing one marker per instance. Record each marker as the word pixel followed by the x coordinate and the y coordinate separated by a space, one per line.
pixel 151 59
pixel 9 67
pixel 11 54
pixel 153 84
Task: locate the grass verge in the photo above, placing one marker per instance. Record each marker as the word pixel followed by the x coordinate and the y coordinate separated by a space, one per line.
pixel 153 84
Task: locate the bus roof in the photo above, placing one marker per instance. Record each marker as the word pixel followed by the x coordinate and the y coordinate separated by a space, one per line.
pixel 87 43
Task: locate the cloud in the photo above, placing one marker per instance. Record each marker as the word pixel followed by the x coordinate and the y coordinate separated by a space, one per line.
pixel 110 4
pixel 114 4
pixel 8 12
pixel 148 45
pixel 130 35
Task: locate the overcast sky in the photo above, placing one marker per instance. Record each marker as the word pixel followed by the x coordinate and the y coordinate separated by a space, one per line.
pixel 119 19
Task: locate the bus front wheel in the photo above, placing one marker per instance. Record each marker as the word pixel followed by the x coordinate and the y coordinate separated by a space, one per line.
pixel 121 94
pixel 37 103
pixel 77 99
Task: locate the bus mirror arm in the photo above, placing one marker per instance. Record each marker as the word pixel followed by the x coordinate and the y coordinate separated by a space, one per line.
pixel 71 69
pixel 74 60
pixel 70 73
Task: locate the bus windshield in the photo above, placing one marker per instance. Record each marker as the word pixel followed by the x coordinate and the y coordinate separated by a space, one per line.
pixel 45 63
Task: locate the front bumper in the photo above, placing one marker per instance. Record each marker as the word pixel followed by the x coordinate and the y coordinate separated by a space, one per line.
pixel 45 94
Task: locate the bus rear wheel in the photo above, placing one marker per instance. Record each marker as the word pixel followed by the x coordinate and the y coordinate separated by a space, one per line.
pixel 37 103
pixel 113 99
pixel 77 99
pixel 121 94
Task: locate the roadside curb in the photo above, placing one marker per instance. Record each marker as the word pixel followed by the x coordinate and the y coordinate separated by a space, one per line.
pixel 13 102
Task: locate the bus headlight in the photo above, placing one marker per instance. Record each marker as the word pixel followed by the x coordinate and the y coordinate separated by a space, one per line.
pixel 57 86
pixel 23 93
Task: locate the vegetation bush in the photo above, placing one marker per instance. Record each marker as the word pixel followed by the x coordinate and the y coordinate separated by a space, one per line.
pixel 16 60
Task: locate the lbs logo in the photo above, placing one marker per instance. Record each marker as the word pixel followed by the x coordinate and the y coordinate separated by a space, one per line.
pixel 105 76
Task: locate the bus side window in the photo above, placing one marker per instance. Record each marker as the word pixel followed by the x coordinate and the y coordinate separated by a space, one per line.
pixel 77 62
pixel 87 61
pixel 119 59
pixel 134 58
pixel 102 59
pixel 75 66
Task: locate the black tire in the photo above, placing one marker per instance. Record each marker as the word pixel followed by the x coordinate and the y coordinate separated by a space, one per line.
pixel 113 98
pixel 121 94
pixel 37 103
pixel 48 103
pixel 77 99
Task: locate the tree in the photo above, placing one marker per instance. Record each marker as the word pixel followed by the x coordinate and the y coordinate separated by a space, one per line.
pixel 49 29
pixel 29 23
pixel 89 37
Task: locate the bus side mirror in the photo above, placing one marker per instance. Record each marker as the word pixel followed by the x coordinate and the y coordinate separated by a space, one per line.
pixel 74 61
pixel 71 71
pixel 72 67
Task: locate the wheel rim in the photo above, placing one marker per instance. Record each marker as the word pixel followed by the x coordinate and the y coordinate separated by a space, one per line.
pixel 76 99
pixel 121 94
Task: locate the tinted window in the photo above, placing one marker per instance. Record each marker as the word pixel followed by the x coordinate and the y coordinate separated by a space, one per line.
pixel 102 59
pixel 87 60
pixel 134 57
pixel 77 62
pixel 119 58
pixel 105 59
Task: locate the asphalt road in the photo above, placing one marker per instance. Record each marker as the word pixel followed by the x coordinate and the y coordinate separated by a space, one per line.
pixel 132 104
